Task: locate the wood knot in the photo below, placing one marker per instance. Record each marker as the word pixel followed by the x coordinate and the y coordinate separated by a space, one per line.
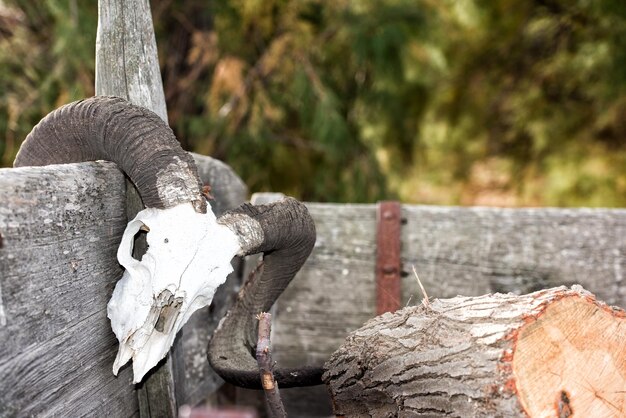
pixel 563 406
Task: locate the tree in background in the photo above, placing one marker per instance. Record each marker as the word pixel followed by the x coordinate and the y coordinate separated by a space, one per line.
pixel 449 102
pixel 47 54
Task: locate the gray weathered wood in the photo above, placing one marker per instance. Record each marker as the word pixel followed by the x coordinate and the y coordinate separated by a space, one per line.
pixel 162 391
pixel 467 251
pixel 127 64
pixel 471 251
pixel 332 295
pixel 300 402
pixel 334 292
pixel 61 226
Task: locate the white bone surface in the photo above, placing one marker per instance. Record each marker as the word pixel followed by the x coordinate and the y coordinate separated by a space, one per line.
pixel 188 257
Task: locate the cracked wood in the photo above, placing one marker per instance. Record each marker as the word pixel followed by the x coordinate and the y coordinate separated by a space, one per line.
pixel 547 354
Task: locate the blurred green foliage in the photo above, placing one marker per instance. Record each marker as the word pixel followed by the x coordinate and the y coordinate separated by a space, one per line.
pixel 450 102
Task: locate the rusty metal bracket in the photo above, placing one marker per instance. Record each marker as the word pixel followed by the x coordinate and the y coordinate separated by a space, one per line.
pixel 388 263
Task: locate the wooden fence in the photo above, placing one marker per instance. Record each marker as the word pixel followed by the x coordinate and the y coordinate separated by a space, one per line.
pixel 60 228
pixel 61 225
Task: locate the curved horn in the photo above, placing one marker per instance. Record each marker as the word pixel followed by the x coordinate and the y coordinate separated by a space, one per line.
pixel 284 231
pixel 136 139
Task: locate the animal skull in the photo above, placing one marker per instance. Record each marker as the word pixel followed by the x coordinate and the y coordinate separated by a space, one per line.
pixel 189 251
pixel 188 257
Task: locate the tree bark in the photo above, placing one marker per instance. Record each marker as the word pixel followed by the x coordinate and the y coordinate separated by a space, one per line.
pixel 552 353
pixel 275 407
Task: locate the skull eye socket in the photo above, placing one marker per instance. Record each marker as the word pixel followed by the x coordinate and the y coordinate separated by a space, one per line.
pixel 133 245
pixel 140 242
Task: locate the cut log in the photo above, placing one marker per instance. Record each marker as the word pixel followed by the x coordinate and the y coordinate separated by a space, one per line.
pixel 553 353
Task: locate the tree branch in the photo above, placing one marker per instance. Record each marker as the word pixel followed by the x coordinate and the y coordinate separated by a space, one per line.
pixel 264 358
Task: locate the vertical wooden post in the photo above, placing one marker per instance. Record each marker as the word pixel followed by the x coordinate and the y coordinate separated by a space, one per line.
pixel 127 66
pixel 127 63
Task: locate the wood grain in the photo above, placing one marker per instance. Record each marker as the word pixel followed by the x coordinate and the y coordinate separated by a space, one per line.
pixel 127 63
pixel 126 66
pixel 455 250
pixel 472 251
pixel 544 354
pixel 333 294
pixel 61 227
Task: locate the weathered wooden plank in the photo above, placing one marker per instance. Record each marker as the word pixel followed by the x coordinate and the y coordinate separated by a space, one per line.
pixel 162 391
pixel 227 188
pixel 472 251
pixel 334 293
pixel 61 226
pixel 127 64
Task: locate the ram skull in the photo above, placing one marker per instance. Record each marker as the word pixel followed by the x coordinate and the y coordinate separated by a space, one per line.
pixel 189 250
pixel 188 257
